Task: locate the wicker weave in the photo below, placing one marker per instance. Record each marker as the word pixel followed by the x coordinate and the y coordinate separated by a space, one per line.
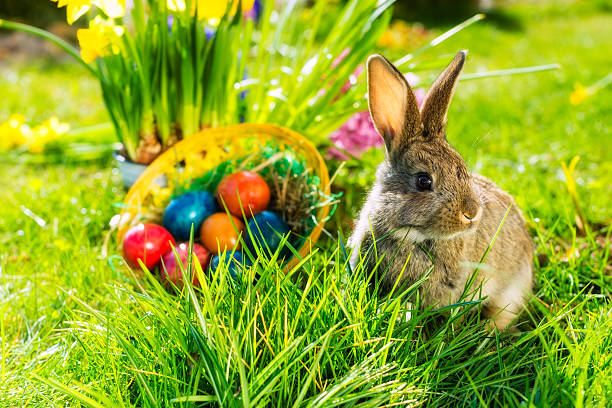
pixel 209 148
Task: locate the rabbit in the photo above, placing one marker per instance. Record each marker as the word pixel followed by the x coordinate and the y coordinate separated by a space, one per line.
pixel 425 209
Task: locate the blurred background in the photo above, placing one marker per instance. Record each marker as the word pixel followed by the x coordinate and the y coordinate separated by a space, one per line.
pixel 530 122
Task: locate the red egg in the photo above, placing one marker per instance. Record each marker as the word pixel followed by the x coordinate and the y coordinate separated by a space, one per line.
pixel 147 242
pixel 220 233
pixel 243 188
pixel 170 270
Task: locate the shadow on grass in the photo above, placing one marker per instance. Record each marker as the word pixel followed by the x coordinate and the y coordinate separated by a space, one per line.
pixel 436 13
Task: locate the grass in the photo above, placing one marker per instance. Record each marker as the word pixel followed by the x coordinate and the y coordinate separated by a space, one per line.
pixel 77 328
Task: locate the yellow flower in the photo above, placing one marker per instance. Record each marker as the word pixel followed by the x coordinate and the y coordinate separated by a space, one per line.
pixel 44 133
pixel 176 5
pixel 12 133
pixel 76 8
pixel 210 9
pixel 401 35
pixel 100 39
pixel 112 8
pixel 580 94
pixel 56 126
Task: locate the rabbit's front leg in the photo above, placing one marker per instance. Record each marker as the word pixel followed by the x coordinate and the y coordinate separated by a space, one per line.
pixel 444 286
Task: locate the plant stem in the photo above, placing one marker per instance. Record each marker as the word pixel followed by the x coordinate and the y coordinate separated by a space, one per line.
pixel 512 71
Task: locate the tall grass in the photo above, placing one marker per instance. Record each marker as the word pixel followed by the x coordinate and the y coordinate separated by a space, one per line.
pixel 318 337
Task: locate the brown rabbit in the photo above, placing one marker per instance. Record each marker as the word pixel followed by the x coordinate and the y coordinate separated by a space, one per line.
pixel 426 209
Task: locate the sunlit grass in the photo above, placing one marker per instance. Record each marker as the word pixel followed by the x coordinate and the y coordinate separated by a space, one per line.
pixel 74 327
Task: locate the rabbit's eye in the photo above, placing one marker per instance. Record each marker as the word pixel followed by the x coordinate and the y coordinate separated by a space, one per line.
pixel 423 181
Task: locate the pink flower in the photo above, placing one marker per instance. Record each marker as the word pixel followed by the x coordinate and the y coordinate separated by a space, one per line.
pixel 354 137
pixel 412 79
pixel 419 93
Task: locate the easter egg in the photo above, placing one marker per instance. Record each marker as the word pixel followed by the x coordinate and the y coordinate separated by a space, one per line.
pixel 147 242
pixel 235 262
pixel 170 270
pixel 267 230
pixel 243 190
pixel 220 232
pixel 186 210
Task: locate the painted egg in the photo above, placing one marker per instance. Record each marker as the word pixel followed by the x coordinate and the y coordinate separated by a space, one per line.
pixel 220 233
pixel 243 190
pixel 171 271
pixel 267 230
pixel 186 210
pixel 147 242
pixel 235 262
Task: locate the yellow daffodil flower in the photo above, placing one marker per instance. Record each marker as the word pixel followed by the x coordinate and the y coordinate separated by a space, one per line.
pixel 176 5
pixel 12 133
pixel 401 35
pixel 580 94
pixel 112 8
pixel 44 133
pixel 56 126
pixel 210 9
pixel 76 8
pixel 100 39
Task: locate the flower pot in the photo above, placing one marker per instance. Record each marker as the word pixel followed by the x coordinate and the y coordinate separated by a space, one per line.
pixel 130 171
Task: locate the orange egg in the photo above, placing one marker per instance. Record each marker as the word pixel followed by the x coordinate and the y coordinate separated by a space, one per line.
pixel 220 232
pixel 243 190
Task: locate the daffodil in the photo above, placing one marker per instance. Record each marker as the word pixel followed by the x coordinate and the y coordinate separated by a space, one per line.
pixel 100 39
pixel 176 5
pixel 112 8
pixel 210 9
pixel 401 35
pixel 57 127
pixel 13 133
pixel 580 94
pixel 44 133
pixel 76 8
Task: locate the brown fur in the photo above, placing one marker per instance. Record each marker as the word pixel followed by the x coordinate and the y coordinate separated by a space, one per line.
pixel 448 227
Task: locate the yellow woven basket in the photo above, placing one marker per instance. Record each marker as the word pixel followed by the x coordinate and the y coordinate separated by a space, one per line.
pixel 211 147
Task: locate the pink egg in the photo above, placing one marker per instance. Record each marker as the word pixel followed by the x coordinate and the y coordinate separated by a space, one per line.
pixel 170 270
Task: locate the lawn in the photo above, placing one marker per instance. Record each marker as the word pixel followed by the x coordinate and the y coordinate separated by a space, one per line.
pixel 76 327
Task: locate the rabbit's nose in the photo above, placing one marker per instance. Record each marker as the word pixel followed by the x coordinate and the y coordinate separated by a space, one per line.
pixel 472 211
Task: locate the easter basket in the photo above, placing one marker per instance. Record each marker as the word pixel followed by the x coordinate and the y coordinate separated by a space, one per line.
pixel 199 161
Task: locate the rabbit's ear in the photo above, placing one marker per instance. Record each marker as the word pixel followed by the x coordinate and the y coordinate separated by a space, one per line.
pixel 392 103
pixel 436 103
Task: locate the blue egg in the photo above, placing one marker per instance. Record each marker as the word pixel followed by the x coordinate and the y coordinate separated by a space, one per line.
pixel 267 230
pixel 188 209
pixel 235 263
